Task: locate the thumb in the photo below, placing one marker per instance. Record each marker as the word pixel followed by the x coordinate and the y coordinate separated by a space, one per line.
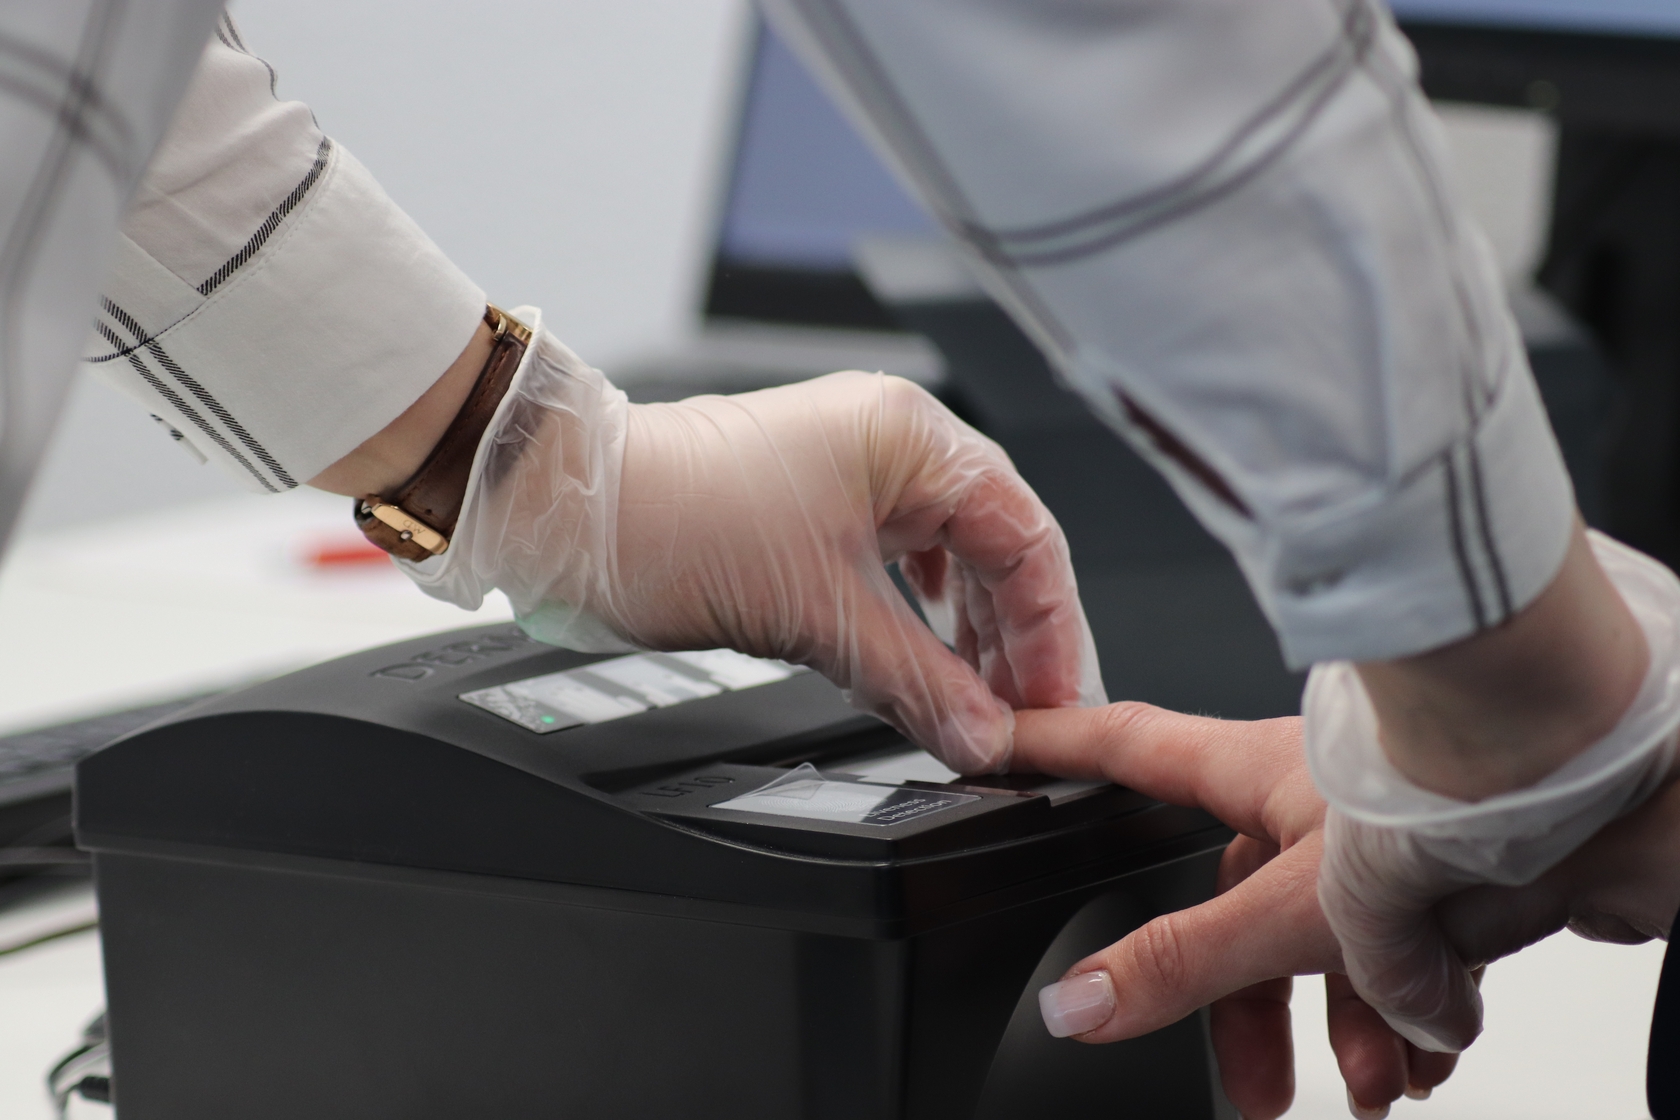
pixel 896 668
pixel 1378 892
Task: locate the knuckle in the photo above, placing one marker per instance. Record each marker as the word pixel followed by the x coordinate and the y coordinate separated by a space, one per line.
pixel 899 394
pixel 1125 720
pixel 1159 955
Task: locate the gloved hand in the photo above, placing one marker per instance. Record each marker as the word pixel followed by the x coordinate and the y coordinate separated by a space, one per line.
pixel 1621 887
pixel 762 522
pixel 1393 849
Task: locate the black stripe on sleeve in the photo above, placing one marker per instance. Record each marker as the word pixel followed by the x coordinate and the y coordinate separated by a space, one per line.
pixel 270 223
pixel 1228 169
pixel 203 396
pixel 1478 391
pixel 1478 494
pixel 124 350
pixel 225 26
pixel 890 113
pixel 163 390
pixel 228 32
pixel 1461 553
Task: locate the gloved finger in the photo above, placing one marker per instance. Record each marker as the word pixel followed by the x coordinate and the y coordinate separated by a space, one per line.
pixel 1265 927
pixel 1043 662
pixel 1413 978
pixel 1032 643
pixel 1378 893
pixel 1486 923
pixel 1426 1069
pixel 1612 929
pixel 1377 1065
pixel 1255 1048
pixel 1248 774
pixel 897 669
pixel 961 491
pixel 1372 1059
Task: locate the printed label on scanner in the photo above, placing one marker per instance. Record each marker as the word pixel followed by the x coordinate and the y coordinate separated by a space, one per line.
pixel 625 686
pixel 804 792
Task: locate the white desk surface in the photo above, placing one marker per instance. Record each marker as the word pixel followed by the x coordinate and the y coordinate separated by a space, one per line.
pixel 122 613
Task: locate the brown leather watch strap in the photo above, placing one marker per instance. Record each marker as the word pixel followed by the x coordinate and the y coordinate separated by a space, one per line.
pixel 416 520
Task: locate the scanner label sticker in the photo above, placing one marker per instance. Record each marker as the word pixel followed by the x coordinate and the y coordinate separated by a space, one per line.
pixel 625 686
pixel 803 792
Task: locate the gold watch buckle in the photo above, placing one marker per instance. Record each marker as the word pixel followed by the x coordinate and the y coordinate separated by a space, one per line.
pixel 507 324
pixel 409 528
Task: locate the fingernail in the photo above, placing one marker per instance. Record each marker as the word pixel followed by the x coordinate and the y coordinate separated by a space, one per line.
pixel 1416 1094
pixel 1078 1004
pixel 1362 1113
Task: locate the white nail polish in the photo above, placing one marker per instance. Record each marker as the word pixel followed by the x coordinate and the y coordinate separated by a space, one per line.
pixel 1416 1094
pixel 1360 1113
pixel 1078 1004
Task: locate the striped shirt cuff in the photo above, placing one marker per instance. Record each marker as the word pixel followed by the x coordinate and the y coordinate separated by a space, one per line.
pixel 1465 541
pixel 333 318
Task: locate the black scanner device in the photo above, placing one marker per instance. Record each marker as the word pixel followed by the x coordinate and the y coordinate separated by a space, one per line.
pixel 471 875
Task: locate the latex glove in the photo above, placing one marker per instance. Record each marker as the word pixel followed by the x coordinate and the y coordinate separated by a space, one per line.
pixel 762 522
pixel 1238 950
pixel 1622 886
pixel 1392 849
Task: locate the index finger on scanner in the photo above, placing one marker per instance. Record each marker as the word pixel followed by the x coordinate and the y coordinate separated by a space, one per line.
pixel 1230 768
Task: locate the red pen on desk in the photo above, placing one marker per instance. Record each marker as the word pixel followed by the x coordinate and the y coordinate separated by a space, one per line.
pixel 340 554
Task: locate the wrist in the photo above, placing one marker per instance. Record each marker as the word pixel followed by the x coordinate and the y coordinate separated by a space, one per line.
pixel 390 456
pixel 1504 708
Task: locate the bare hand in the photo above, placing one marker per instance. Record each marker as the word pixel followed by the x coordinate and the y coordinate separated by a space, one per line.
pixel 1238 951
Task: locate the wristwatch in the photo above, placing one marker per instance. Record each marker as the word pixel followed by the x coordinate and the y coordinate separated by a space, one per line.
pixel 415 520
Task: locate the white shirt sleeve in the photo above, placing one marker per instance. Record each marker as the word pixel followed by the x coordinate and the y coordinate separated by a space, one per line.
pixel 268 301
pixel 1230 225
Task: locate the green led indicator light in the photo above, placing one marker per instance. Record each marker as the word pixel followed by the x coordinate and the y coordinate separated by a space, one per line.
pixel 548 719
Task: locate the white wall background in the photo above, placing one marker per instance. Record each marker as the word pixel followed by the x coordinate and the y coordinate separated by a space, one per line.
pixel 567 153
pixel 561 151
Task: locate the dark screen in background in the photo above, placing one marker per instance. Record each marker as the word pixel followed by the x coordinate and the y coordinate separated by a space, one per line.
pixel 803 188
pixel 805 185
pixel 1610 17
